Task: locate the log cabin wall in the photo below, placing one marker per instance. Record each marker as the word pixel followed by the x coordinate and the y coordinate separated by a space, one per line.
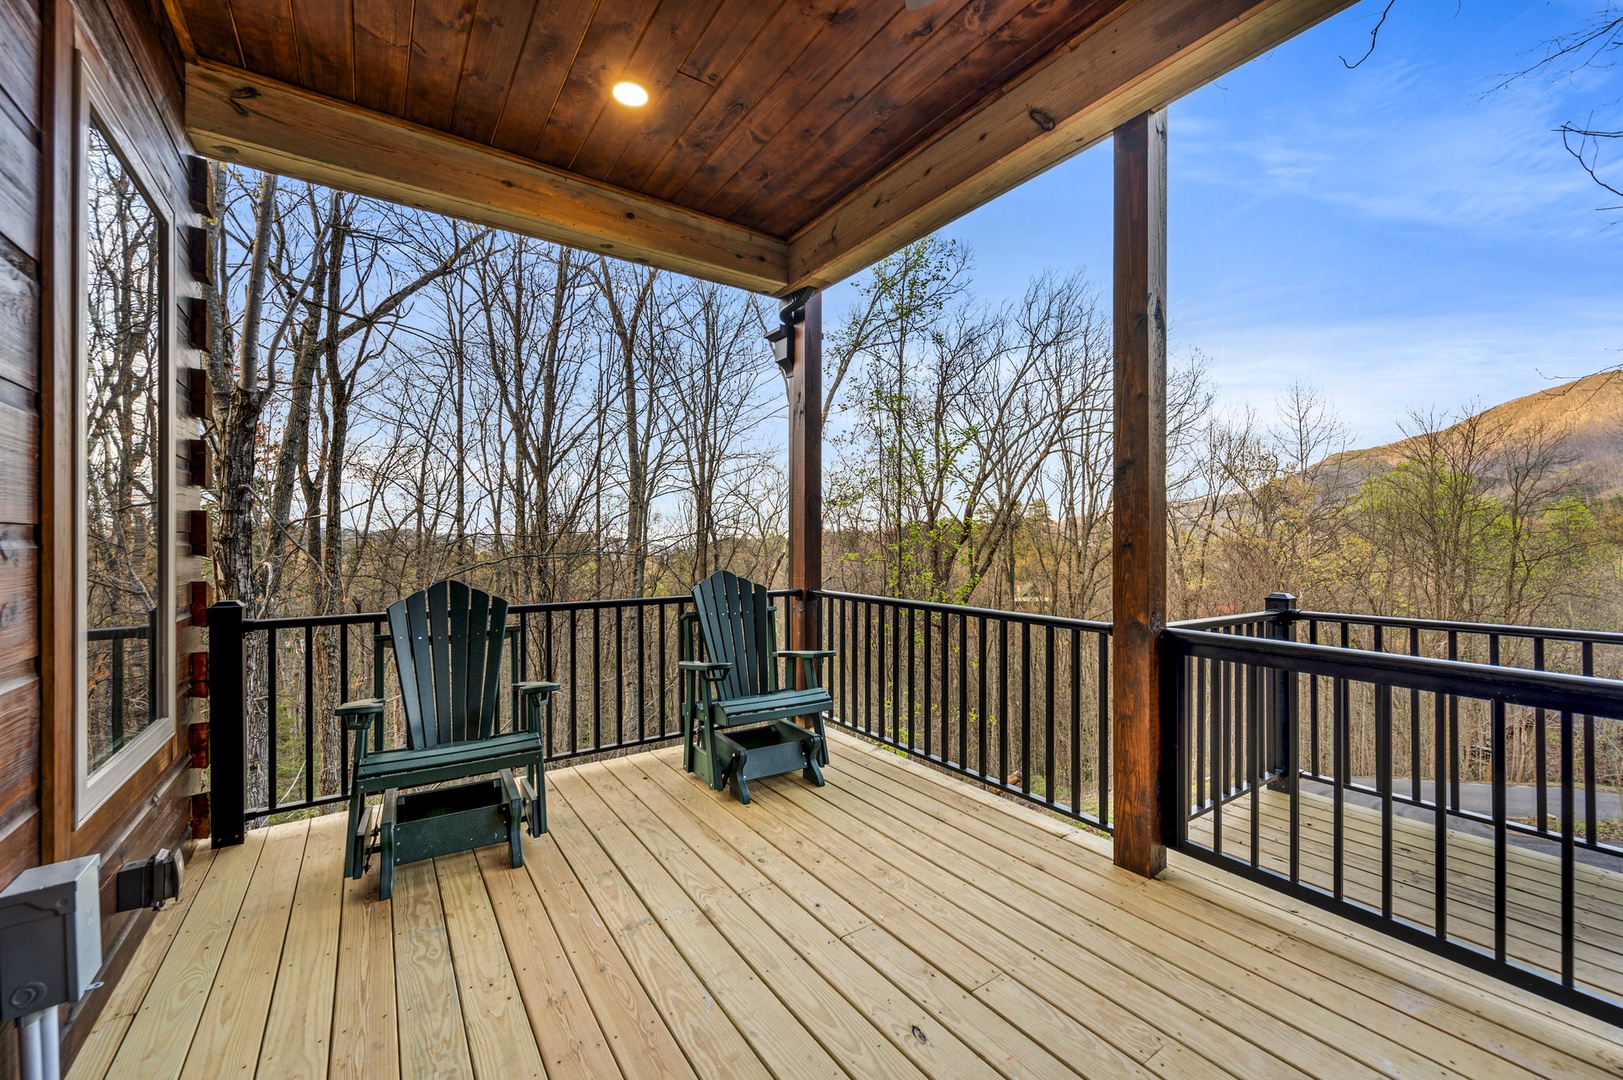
pixel 121 46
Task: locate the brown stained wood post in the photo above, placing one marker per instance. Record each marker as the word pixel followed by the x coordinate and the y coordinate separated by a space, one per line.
pixel 59 142
pixel 805 471
pixel 1139 550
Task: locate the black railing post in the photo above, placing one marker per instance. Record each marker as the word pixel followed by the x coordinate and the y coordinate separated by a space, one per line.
pixel 1282 727
pixel 228 748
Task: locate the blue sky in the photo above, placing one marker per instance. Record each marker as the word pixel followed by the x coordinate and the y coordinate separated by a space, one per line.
pixel 1400 235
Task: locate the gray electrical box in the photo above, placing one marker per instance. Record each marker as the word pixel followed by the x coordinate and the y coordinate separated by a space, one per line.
pixel 50 936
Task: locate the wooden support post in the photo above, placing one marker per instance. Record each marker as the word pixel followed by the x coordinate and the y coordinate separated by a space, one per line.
pixel 59 143
pixel 228 744
pixel 1139 553
pixel 805 325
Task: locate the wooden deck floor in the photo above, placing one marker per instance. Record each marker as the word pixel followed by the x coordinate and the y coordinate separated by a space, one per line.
pixel 894 923
pixel 1533 883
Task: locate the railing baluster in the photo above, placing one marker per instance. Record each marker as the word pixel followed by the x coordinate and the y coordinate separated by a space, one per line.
pixel 1568 855
pixel 1500 779
pixel 1540 758
pixel 963 691
pixel 1439 819
pixel 1105 733
pixel 271 720
pixel 1590 815
pixel 309 714
pixel 1383 783
pixel 1003 702
pixel 1076 720
pixel 912 668
pixel 929 689
pixel 980 699
pixel 1414 723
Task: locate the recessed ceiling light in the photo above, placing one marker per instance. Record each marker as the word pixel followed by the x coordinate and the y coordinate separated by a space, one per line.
pixel 629 93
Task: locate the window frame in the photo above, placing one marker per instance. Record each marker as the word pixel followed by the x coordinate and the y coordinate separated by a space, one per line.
pixel 94 788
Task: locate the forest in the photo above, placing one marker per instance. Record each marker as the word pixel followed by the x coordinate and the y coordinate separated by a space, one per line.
pixel 399 398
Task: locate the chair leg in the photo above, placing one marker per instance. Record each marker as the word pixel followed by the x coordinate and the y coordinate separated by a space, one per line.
pixel 355 854
pixel 386 845
pixel 687 737
pixel 538 801
pixel 514 795
pixel 813 771
pixel 822 742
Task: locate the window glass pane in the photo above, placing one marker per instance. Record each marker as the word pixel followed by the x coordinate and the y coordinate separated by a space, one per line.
pixel 122 368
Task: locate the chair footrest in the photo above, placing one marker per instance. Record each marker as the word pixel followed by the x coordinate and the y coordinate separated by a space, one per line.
pixel 440 821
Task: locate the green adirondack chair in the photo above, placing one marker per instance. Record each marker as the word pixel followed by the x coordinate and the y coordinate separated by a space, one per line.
pixel 738 720
pixel 447 643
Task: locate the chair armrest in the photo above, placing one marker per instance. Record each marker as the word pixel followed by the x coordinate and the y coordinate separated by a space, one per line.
pixel 808 654
pixel 713 672
pixel 357 714
pixel 525 689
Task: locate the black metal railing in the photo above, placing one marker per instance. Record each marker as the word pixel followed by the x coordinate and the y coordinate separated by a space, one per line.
pixel 277 747
pixel 1313 767
pixel 117 710
pixel 1017 701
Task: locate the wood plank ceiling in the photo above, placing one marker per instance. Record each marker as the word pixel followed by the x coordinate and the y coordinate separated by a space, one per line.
pixel 762 112
pixel 785 142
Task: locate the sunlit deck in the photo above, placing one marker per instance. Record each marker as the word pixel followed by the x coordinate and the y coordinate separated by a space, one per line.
pixel 894 923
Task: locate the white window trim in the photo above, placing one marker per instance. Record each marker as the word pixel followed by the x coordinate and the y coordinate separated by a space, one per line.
pixel 93 788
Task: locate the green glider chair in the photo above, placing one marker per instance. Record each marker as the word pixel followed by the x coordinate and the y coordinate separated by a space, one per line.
pixel 447 644
pixel 738 721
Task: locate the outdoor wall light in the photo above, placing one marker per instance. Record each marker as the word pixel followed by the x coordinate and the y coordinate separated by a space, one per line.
pixel 629 93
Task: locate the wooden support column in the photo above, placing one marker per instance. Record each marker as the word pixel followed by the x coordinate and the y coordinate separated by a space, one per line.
pixel 1138 520
pixel 59 143
pixel 805 324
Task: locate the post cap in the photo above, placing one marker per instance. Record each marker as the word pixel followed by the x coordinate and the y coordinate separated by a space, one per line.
pixel 1280 601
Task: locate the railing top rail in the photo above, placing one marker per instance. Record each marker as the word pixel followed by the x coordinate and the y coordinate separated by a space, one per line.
pixel 1218 622
pixel 1517 686
pixel 1090 625
pixel 115 633
pixel 1549 633
pixel 291 622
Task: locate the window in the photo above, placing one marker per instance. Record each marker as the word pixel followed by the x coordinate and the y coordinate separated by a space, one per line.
pixel 126 624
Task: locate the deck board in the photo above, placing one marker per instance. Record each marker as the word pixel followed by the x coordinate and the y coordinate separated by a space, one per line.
pixel 897 922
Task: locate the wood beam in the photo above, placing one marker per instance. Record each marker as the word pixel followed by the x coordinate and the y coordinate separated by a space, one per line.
pixel 1139 504
pixel 264 124
pixel 1139 59
pixel 806 473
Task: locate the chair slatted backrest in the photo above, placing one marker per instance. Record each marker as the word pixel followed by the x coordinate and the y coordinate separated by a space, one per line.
pixel 448 650
pixel 737 621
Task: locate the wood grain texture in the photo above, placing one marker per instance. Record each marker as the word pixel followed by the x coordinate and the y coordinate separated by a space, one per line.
pixel 382 44
pixel 232 1027
pixel 19 314
pixel 298 1028
pixel 365 1039
pixel 571 1042
pixel 19 188
pixel 500 1038
pixel 433 1041
pixel 439 40
pixel 269 126
pixel 54 452
pixel 659 925
pixel 170 1011
pixel 1139 58
pixel 326 47
pixel 1138 522
pixel 19 63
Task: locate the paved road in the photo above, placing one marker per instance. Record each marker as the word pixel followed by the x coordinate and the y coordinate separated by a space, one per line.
pixel 1478 798
pixel 1521 799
